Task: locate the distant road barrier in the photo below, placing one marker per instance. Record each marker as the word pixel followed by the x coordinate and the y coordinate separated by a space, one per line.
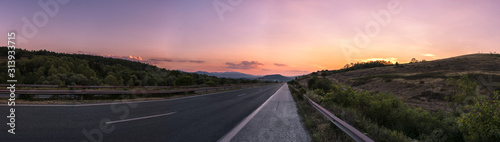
pixel 79 86
pixel 348 129
pixel 110 92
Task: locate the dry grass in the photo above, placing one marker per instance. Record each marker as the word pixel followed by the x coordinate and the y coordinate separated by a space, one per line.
pixel 422 84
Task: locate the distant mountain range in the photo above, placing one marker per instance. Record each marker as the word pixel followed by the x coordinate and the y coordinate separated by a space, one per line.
pixel 237 75
pixel 276 77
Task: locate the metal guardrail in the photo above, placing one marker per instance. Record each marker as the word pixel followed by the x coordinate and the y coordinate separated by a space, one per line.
pixel 348 129
pixel 94 86
pixel 111 92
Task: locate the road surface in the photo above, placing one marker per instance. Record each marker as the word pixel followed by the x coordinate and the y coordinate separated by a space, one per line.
pixel 276 121
pixel 199 118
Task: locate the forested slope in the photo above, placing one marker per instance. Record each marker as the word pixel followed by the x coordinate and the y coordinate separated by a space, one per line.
pixel 46 67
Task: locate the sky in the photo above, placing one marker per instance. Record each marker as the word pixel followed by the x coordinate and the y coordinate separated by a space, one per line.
pixel 259 37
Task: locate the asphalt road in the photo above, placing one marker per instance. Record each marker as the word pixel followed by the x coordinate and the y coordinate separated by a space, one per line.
pixel 200 118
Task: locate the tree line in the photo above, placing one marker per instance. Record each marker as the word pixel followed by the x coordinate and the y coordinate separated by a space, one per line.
pixel 50 68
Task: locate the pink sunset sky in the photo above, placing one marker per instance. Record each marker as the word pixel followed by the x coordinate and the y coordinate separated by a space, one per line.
pixel 259 37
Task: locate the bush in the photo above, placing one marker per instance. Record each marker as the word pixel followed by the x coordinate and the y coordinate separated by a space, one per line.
pixel 184 81
pixel 294 82
pixel 302 90
pixel 464 94
pixel 386 110
pixel 364 65
pixel 111 80
pixel 319 83
pixel 211 83
pixel 482 123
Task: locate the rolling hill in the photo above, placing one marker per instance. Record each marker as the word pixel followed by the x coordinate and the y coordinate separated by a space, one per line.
pixel 421 84
pixel 275 77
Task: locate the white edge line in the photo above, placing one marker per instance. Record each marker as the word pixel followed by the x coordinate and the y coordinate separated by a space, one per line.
pixel 230 135
pixel 145 101
pixel 242 94
pixel 139 118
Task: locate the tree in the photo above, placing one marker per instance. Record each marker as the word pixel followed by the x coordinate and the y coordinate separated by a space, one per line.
pixel 40 80
pixel 41 71
pixel 319 83
pixel 413 60
pixel 184 80
pixel 324 74
pixel 111 80
pixel 52 70
pixel 130 82
pixel 482 122
pixel 85 70
pixel 211 83
pixel 170 81
pixel 135 81
pixel 78 79
pixel 94 81
pixel 54 80
pixel 465 92
pixel 62 70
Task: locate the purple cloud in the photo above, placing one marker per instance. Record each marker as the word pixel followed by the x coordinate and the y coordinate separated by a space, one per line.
pixel 244 65
pixel 280 65
pixel 297 71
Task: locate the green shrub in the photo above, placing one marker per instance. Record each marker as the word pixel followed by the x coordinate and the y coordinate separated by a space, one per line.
pixel 464 94
pixel 294 82
pixel 211 83
pixel 482 123
pixel 386 110
pixel 302 90
pixel 319 83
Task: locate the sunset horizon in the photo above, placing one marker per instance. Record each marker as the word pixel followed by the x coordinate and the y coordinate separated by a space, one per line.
pixel 258 37
pixel 250 70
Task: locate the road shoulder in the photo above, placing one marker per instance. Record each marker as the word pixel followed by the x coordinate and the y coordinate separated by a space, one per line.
pixel 278 120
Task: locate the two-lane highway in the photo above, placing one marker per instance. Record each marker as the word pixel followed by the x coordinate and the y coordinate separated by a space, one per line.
pixel 200 118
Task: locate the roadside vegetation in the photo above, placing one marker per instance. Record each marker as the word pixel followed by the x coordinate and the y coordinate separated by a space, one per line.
pixel 320 128
pixel 364 65
pixel 44 67
pixel 50 68
pixel 384 117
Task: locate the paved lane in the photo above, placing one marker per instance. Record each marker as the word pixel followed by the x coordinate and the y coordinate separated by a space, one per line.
pixel 200 118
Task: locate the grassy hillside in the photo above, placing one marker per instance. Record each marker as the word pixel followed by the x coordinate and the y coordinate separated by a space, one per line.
pixel 421 84
pixel 46 67
pixel 454 99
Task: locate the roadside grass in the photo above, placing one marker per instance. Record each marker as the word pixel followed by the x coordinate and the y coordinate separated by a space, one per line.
pixel 318 126
pixel 358 120
pixel 389 118
pixel 384 117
